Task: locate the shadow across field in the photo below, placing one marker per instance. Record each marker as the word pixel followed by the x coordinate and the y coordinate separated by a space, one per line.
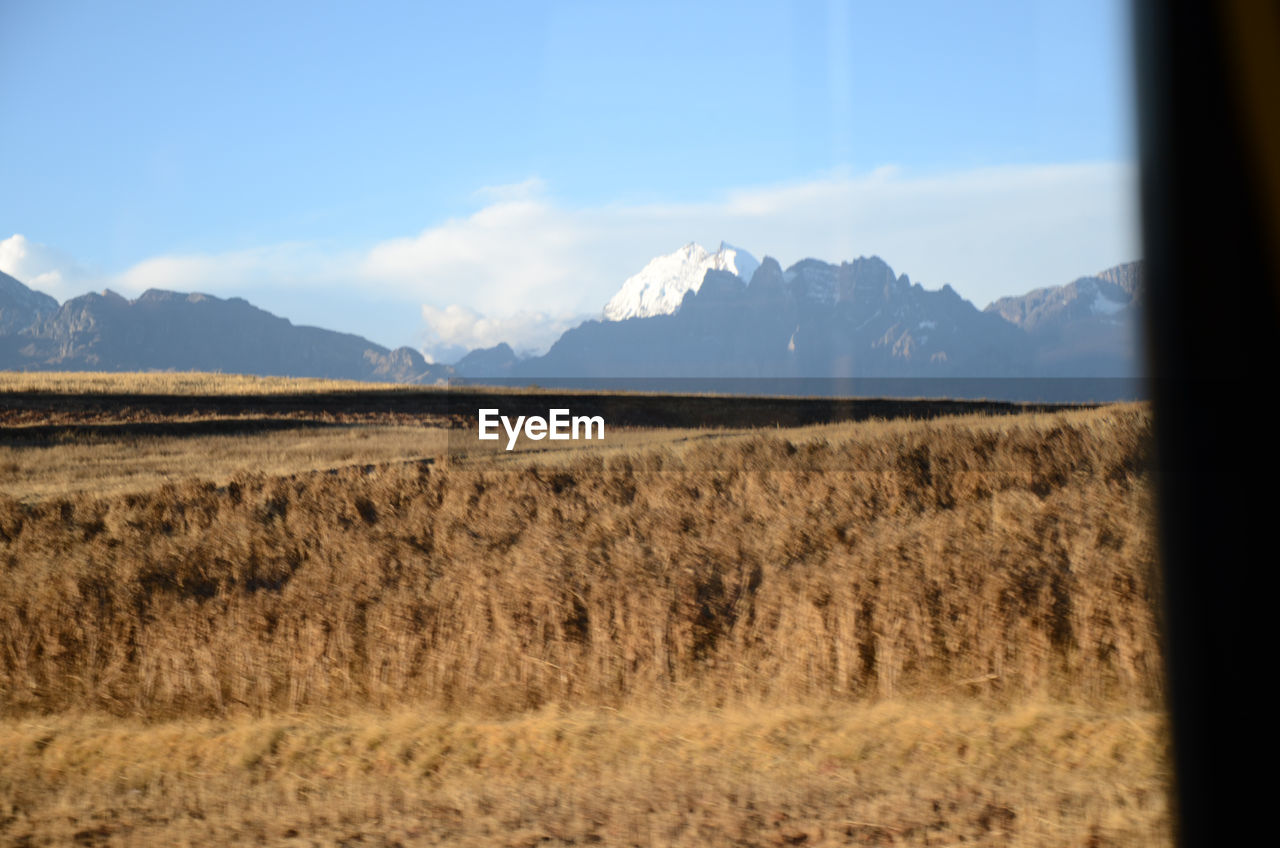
pixel 37 435
pixel 720 411
pixel 26 410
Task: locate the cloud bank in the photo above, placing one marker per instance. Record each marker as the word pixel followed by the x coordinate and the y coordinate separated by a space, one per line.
pixel 454 331
pixel 42 267
pixel 523 267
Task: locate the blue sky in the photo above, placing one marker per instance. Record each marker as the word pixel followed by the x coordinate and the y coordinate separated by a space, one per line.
pixel 372 167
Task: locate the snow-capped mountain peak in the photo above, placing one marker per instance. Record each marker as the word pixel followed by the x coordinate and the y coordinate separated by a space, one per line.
pixel 661 286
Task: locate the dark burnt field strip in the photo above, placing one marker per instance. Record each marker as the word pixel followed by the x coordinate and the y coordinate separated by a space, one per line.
pixel 43 416
pixel 35 435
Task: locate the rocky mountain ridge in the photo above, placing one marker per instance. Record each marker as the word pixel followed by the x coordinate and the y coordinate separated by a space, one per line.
pixel 164 330
pixel 855 319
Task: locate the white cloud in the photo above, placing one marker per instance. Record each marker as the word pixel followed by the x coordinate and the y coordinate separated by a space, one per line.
pixel 236 272
pixel 523 190
pixel 522 266
pixel 456 329
pixel 988 232
pixel 41 267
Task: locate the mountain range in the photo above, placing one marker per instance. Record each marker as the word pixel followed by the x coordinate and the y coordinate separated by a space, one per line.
pixel 169 331
pixel 693 313
pixel 718 315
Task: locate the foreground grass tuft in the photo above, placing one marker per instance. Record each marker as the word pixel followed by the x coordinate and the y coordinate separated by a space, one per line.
pixel 896 773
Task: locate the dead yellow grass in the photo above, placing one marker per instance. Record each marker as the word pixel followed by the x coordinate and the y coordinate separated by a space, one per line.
pixel 107 465
pixel 931 773
pixel 605 582
pixel 110 464
pixel 870 445
pixel 180 383
pixel 882 633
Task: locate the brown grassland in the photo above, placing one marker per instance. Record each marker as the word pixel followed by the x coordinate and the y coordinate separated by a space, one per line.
pixel 899 632
pixel 180 383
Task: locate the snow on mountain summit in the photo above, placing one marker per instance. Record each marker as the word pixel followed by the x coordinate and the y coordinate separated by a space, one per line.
pixel 661 286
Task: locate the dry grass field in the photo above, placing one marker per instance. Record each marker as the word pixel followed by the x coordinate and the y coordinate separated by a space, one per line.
pixel 110 465
pixel 903 632
pixel 180 383
pixel 884 773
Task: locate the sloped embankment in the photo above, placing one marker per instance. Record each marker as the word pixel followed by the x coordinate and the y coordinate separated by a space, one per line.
pixel 997 558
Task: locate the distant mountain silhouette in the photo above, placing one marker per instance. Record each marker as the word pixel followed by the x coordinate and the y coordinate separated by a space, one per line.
pixel 164 330
pixel 1087 327
pixel 855 320
pixel 20 307
pixel 487 361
